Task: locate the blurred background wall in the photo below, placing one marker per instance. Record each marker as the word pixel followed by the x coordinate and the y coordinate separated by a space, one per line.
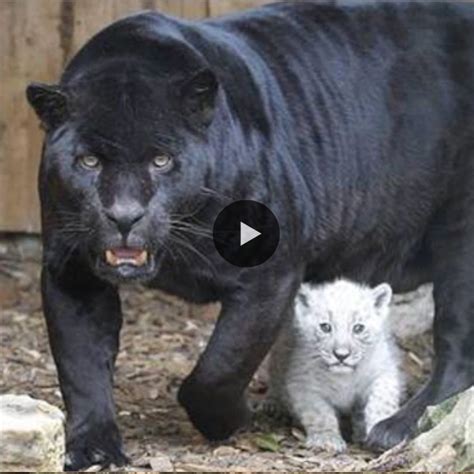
pixel 37 38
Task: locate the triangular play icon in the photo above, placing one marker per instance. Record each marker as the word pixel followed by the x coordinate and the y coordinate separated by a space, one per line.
pixel 247 233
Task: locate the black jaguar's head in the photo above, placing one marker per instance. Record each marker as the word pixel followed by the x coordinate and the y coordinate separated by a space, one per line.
pixel 125 156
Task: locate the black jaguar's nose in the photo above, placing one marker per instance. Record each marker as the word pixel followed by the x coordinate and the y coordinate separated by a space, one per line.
pixel 125 215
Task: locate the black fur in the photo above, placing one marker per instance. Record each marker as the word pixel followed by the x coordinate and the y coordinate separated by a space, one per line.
pixel 353 124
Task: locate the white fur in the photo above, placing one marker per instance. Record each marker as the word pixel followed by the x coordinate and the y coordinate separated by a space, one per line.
pixel 308 381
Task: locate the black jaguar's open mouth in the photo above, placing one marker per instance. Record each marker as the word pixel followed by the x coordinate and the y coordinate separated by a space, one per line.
pixel 126 256
pixel 125 264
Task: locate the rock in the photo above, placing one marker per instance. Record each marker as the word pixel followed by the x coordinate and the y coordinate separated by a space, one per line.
pixel 3 248
pixel 449 444
pixel 31 435
pixel 161 463
pixel 445 442
pixel 29 247
pixel 9 295
pixel 412 314
pixel 435 414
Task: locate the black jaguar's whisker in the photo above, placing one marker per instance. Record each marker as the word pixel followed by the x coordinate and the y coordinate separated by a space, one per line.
pixel 72 230
pixel 179 250
pixel 191 229
pixel 67 213
pixel 168 249
pixel 185 258
pixel 181 239
pixel 67 249
pixel 214 193
pixel 190 214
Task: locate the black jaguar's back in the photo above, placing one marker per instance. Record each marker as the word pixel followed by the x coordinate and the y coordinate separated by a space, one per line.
pixel 372 106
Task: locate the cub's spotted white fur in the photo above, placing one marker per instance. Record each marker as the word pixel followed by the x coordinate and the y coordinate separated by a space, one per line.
pixel 337 357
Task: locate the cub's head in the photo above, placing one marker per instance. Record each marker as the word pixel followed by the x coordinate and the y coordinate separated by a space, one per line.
pixel 340 322
pixel 126 154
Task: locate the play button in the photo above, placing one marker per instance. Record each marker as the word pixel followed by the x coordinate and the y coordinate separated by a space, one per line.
pixel 246 233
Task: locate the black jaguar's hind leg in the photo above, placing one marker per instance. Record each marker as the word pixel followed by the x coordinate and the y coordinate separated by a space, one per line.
pixel 453 265
pixel 84 319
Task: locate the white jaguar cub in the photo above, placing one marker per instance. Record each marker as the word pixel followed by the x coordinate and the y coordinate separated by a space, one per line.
pixel 337 357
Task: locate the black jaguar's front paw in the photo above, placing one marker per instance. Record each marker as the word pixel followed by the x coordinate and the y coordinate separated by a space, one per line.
pixel 99 445
pixel 390 432
pixel 216 417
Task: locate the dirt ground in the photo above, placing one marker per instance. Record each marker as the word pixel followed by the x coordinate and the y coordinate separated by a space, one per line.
pixel 161 340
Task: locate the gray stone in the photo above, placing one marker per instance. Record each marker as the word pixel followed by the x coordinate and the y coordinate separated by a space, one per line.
pixel 161 463
pixel 449 444
pixel 445 442
pixel 29 247
pixel 412 314
pixel 31 435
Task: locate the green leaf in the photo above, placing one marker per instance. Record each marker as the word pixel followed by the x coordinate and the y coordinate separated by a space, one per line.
pixel 268 442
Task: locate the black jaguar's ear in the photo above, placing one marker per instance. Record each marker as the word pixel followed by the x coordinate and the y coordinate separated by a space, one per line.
pixel 199 96
pixel 49 102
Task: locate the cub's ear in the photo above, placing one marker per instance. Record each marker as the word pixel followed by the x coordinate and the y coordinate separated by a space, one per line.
pixel 301 303
pixel 198 94
pixel 304 305
pixel 382 295
pixel 49 103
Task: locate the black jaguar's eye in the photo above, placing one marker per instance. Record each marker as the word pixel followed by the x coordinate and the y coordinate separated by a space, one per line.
pixel 325 327
pixel 358 328
pixel 161 162
pixel 89 162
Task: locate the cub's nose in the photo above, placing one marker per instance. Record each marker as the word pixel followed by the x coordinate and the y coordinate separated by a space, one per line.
pixel 125 214
pixel 342 354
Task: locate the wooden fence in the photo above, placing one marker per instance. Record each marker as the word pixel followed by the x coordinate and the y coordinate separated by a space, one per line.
pixel 37 38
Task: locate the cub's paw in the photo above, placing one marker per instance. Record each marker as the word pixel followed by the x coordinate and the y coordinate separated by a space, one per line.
pixel 331 442
pixel 390 432
pixel 98 446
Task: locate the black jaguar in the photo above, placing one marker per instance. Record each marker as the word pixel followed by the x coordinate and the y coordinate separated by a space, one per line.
pixel 353 124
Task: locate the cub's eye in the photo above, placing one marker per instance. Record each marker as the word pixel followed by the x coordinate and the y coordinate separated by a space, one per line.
pixel 325 327
pixel 89 162
pixel 161 161
pixel 358 328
